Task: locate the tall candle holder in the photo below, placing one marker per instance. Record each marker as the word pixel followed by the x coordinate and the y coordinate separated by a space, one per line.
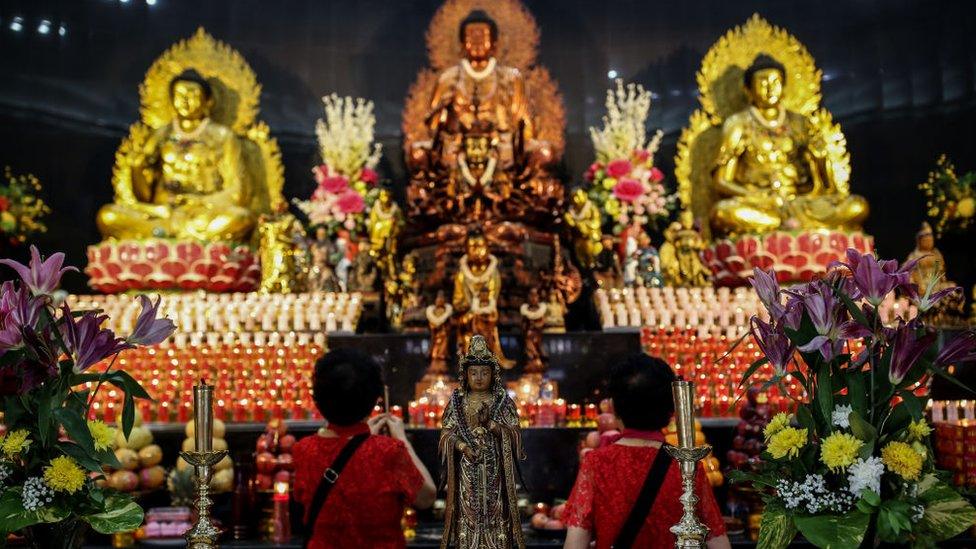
pixel 689 531
pixel 203 458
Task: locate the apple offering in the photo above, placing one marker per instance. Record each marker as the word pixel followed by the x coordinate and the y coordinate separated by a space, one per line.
pixel 272 458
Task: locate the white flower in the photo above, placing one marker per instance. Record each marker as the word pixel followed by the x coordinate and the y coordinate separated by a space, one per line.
pixel 346 135
pixel 36 494
pixel 841 416
pixel 624 128
pixel 5 472
pixel 813 496
pixel 865 474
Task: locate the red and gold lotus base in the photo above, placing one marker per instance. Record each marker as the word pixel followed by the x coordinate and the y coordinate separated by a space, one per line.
pixel 124 265
pixel 796 256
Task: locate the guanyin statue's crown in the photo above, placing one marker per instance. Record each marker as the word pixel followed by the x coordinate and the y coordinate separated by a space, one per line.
pixel 478 353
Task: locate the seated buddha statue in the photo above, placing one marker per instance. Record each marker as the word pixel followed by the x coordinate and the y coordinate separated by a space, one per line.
pixel 479 118
pixel 188 180
pixel 477 272
pixel 772 170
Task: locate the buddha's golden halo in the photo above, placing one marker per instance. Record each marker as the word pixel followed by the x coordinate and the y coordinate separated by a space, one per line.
pixel 236 104
pixel 517 47
pixel 235 86
pixel 722 93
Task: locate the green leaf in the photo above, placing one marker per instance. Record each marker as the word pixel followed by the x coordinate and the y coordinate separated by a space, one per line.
pixel 14 517
pixel 44 406
pixel 86 460
pixel 912 404
pixel 76 427
pixel 947 513
pixel 825 398
pixel 871 497
pixel 128 414
pixel 805 418
pixel 128 384
pixel 121 514
pixel 861 429
pixel 893 520
pixel 752 369
pixel 834 531
pixel 776 530
pixel 856 392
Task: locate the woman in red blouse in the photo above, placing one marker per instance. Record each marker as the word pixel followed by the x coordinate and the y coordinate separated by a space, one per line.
pixel 611 477
pixel 382 477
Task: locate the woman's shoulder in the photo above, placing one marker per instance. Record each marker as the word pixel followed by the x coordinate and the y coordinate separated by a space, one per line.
pixel 614 453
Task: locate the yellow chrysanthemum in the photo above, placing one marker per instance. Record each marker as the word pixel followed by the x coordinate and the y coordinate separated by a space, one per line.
pixel 919 430
pixel 15 442
pixel 839 450
pixel 902 459
pixel 103 435
pixel 787 442
pixel 608 183
pixel 64 475
pixel 779 422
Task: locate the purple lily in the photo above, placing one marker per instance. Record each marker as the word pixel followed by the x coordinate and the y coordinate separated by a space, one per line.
pixel 931 296
pixel 18 311
pixel 773 343
pixel 767 288
pixel 906 349
pixel 87 342
pixel 41 363
pixel 150 330
pixel 43 276
pixel 874 278
pixel 962 348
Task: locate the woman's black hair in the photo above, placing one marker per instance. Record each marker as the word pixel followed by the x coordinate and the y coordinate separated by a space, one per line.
pixel 190 75
pixel 346 385
pixel 478 16
pixel 640 386
pixel 762 62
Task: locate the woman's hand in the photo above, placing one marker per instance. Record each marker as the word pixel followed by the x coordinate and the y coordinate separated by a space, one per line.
pixel 376 424
pixel 396 428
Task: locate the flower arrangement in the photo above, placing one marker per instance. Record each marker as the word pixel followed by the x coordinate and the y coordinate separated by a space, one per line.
pixel 950 198
pixel 346 179
pixel 54 452
pixel 855 458
pixel 625 184
pixel 21 209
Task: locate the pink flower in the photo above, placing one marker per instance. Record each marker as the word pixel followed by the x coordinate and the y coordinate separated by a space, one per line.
pixel 657 175
pixel 590 174
pixel 773 343
pixel 907 347
pixel 369 176
pixel 17 313
pixel 320 172
pixel 628 189
pixel 641 155
pixel 150 330
pixel 44 275
pixel 335 184
pixel 875 278
pixel 87 342
pixel 962 348
pixel 619 168
pixel 351 202
pixel 4 203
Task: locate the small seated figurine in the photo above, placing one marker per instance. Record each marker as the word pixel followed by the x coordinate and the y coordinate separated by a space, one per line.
pixel 279 236
pixel 681 259
pixel 583 220
pixel 188 180
pixel 479 445
pixel 930 271
pixel 385 220
pixel 772 169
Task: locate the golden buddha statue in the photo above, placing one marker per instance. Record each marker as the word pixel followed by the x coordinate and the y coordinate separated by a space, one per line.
pixel 929 274
pixel 584 221
pixel 761 156
pixel 197 167
pixel 477 271
pixel 681 259
pixel 278 238
pixel 476 142
pixel 385 220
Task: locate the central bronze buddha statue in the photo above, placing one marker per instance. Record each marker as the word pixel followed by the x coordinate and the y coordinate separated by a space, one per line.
pixel 188 181
pixel 772 170
pixel 480 119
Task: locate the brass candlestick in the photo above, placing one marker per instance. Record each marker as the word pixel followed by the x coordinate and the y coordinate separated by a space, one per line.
pixel 203 534
pixel 689 531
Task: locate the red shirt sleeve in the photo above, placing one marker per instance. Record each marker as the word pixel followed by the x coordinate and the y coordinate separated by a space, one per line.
pixel 404 474
pixel 708 509
pixel 579 507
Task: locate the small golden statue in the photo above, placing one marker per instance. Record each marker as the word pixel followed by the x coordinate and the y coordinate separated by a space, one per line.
pixel 480 441
pixel 477 270
pixel 197 167
pixel 385 221
pixel 439 321
pixel 930 272
pixel 533 314
pixel 279 236
pixel 321 276
pixel 761 155
pixel 606 268
pixel 477 142
pixel 583 219
pixel 401 292
pixel 681 259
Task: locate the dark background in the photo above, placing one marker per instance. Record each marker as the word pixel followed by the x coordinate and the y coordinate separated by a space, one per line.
pixel 898 75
